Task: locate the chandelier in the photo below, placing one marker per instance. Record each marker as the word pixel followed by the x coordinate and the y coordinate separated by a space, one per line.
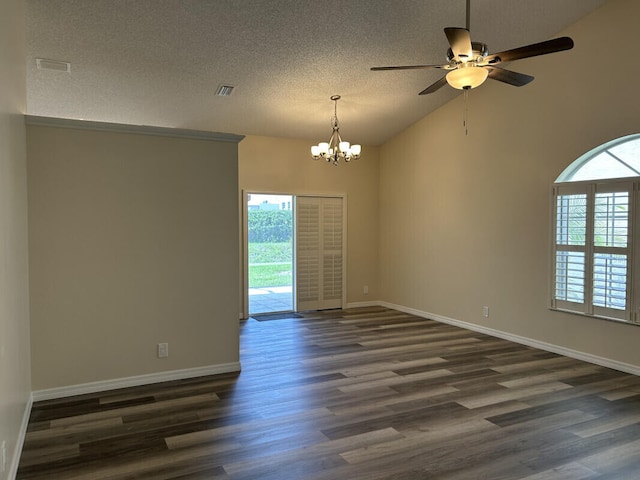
pixel 335 149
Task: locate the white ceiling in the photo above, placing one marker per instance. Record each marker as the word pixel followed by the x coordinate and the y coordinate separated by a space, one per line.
pixel 159 62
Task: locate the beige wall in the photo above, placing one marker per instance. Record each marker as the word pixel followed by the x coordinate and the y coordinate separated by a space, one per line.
pixel 133 241
pixel 15 385
pixel 465 220
pixel 278 165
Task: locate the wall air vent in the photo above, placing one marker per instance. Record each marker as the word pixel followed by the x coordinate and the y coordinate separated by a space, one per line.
pixel 44 64
pixel 224 90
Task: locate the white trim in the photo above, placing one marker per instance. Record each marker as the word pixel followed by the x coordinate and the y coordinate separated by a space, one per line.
pixel 17 452
pixel 549 347
pixel 244 249
pixel 124 128
pixel 373 303
pixel 345 244
pixel 113 384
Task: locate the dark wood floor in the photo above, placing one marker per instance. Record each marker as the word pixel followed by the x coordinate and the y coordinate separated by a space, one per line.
pixel 356 394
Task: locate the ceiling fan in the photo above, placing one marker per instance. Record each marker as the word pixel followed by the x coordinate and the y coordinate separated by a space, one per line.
pixel 470 64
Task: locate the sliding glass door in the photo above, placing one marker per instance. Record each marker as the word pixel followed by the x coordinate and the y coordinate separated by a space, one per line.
pixel 270 253
pixel 295 249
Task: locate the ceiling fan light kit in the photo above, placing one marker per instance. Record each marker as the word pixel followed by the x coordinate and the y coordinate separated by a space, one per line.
pixel 467 77
pixel 335 150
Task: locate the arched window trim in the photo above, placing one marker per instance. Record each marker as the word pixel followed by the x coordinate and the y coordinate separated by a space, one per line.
pixel 577 165
pixel 581 271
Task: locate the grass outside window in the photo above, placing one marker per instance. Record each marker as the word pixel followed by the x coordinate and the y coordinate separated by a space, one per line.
pixel 270 264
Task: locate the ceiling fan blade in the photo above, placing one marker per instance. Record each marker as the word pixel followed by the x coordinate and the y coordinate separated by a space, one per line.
pixel 533 50
pixel 407 67
pixel 434 86
pixel 460 41
pixel 507 76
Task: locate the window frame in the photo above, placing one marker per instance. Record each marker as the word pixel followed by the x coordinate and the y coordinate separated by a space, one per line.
pixel 574 168
pixel 591 188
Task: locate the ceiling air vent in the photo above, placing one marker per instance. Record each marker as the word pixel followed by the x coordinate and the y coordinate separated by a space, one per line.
pixel 224 90
pixel 44 64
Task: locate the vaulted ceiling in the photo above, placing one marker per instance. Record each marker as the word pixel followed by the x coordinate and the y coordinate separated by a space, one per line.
pixel 159 62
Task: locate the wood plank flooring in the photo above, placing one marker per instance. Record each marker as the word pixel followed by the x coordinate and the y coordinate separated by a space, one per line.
pixel 366 393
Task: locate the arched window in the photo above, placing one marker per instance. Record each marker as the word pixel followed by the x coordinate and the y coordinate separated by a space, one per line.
pixel 619 158
pixel 593 231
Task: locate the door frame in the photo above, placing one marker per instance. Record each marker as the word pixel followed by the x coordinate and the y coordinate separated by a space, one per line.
pixel 244 247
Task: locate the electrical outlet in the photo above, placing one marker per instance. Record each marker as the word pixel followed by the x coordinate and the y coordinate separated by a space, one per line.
pixel 485 311
pixel 163 350
pixel 366 290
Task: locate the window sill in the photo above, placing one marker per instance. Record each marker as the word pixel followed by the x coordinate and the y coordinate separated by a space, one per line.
pixel 597 317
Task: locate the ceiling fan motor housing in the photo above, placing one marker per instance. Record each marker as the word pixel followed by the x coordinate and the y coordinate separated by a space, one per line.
pixel 479 49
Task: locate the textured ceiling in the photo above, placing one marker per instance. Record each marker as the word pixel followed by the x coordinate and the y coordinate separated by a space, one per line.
pixel 159 62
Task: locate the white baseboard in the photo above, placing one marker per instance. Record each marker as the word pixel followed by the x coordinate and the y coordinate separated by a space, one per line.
pixel 105 385
pixel 15 458
pixel 549 347
pixel 373 303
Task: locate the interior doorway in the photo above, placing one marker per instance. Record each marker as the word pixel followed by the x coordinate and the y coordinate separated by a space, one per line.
pixel 270 244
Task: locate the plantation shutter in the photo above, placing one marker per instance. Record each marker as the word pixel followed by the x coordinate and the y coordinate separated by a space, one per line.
pixel 611 250
pixel 332 252
pixel 592 249
pixel 319 253
pixel 570 222
pixel 307 252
